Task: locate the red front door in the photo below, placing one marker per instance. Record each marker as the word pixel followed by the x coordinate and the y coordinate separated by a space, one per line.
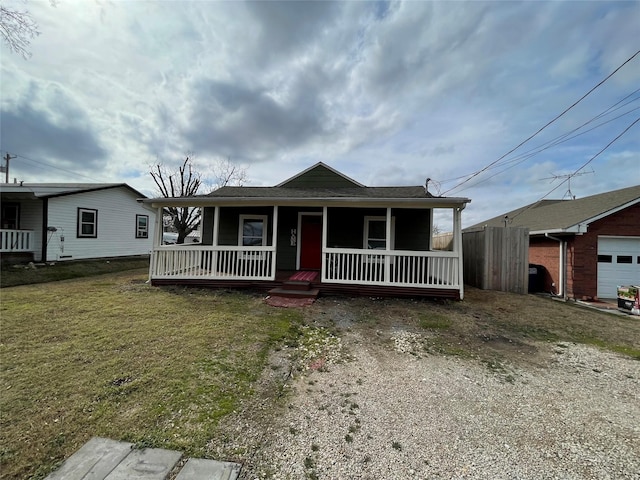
pixel 311 242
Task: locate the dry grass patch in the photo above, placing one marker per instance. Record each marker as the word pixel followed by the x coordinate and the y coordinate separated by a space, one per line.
pixel 492 326
pixel 114 357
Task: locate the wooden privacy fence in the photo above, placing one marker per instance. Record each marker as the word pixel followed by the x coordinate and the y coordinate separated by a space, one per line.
pixel 497 258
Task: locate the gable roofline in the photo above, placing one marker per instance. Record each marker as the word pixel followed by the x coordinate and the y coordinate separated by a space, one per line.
pixel 320 164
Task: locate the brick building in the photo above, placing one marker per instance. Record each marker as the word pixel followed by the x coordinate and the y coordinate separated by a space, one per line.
pixel 587 246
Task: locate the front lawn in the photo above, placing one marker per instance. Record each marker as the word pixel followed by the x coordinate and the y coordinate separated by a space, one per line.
pixel 111 356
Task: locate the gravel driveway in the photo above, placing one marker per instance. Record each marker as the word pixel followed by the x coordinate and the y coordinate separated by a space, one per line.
pixel 380 407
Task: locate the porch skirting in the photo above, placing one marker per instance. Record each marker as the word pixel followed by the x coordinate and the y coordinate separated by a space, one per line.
pixel 325 288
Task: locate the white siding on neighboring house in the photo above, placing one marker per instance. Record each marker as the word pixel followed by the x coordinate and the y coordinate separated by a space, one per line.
pixel 116 226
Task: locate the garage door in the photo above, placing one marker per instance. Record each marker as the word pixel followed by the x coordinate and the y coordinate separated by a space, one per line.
pixel 618 264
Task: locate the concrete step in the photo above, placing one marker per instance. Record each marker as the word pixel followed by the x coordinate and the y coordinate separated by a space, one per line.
pixel 201 469
pixel 283 292
pixel 105 459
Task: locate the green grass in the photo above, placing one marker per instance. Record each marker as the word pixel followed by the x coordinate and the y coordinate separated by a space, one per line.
pixel 11 276
pixel 434 321
pixel 111 356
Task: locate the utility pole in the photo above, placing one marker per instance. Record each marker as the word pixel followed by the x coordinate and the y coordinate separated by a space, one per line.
pixel 7 158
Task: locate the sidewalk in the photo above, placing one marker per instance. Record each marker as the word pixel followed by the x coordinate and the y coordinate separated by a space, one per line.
pixel 104 459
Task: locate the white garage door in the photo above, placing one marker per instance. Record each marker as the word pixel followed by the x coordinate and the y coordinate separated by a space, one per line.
pixel 618 264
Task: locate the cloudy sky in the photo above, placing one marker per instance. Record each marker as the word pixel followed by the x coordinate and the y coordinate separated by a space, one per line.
pixel 388 93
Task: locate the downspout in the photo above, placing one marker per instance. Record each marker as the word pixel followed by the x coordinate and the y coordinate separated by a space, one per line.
pixel 561 267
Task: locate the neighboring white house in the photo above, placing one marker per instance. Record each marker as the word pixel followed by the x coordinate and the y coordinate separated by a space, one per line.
pixel 71 221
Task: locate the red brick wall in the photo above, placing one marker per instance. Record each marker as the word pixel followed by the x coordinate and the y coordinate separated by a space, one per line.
pixel 546 252
pixel 582 253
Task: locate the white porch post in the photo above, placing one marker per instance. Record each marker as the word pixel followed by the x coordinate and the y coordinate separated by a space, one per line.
pixel 457 246
pixel 216 224
pixel 387 258
pixel 216 227
pixel 157 241
pixel 274 241
pixel 323 265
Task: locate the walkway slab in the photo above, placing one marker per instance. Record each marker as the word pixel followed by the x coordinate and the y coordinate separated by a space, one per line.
pixel 146 464
pixel 201 469
pixel 94 461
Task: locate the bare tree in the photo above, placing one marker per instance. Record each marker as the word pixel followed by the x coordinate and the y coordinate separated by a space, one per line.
pixel 226 173
pixel 18 28
pixel 183 183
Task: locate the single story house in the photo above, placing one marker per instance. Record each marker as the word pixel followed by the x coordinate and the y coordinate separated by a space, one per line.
pixel 587 246
pixel 70 221
pixel 321 228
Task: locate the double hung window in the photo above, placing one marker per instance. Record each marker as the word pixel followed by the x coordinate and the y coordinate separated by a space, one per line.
pixel 87 223
pixel 142 226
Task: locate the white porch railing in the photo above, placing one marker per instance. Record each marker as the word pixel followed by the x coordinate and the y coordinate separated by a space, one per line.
pixel 16 240
pixel 437 269
pixel 213 263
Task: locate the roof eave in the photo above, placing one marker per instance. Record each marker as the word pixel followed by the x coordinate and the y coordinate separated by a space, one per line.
pixel 444 202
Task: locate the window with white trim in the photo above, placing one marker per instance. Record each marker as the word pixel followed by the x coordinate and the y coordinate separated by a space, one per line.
pixel 375 233
pixel 253 231
pixel 87 223
pixel 142 226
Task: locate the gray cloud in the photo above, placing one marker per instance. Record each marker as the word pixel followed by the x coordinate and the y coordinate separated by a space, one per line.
pixel 245 122
pixel 33 133
pixel 286 27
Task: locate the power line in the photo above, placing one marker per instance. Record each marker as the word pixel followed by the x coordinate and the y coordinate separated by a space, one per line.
pixel 531 153
pixel 55 167
pixel 578 170
pixel 559 139
pixel 546 125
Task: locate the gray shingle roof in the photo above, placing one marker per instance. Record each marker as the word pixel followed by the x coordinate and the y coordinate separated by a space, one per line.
pixel 557 215
pixel 286 192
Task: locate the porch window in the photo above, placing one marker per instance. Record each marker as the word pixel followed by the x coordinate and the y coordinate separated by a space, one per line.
pixel 375 233
pixel 142 226
pixel 10 216
pixel 253 230
pixel 87 223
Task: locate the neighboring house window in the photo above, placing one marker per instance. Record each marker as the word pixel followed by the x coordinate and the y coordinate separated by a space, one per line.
pixel 87 223
pixel 375 233
pixel 253 230
pixel 142 226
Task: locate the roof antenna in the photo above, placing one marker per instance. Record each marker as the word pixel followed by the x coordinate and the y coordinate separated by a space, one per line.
pixel 568 178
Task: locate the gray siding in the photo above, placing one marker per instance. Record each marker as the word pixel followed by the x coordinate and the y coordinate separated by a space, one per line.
pixel 320 177
pixel 413 229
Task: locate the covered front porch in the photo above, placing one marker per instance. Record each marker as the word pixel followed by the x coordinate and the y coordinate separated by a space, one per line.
pixel 16 245
pixel 363 250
